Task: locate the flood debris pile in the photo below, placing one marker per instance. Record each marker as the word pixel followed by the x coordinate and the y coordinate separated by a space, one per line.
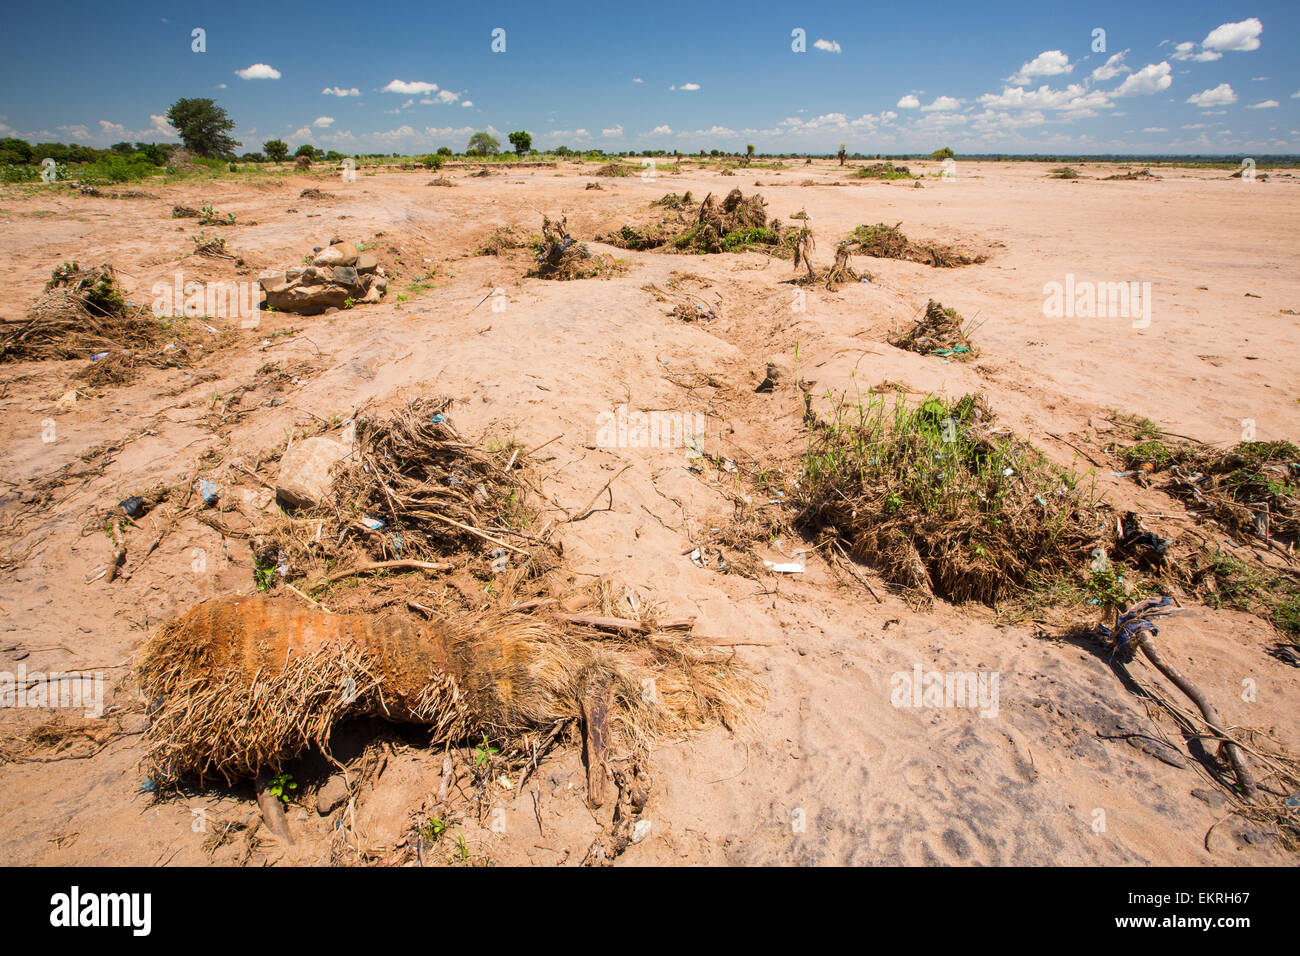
pixel 614 169
pixel 736 224
pixel 559 256
pixel 84 314
pixel 338 277
pixel 239 685
pixel 942 504
pixel 889 242
pixel 1252 488
pixel 939 331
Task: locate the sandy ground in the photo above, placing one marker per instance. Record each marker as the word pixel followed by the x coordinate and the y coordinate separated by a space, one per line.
pixel 830 771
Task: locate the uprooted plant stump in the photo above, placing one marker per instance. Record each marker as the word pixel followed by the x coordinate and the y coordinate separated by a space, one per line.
pixel 841 270
pixel 560 256
pixel 939 331
pixel 942 505
pixel 239 685
pixel 888 242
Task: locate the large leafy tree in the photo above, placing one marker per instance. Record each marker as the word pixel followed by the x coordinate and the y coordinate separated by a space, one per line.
pixel 482 144
pixel 204 127
pixel 521 141
pixel 276 149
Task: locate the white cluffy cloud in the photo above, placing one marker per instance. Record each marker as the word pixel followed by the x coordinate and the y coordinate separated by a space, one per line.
pixel 340 91
pixel 323 121
pixel 830 46
pixel 941 104
pixel 1111 68
pixel 1185 51
pixel 908 102
pixel 1152 78
pixel 1243 36
pixel 1047 63
pixel 1264 105
pixel 415 87
pixel 1221 95
pixel 258 71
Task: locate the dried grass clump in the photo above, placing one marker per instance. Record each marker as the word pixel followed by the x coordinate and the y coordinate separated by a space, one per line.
pixel 889 242
pixel 941 504
pixel 239 685
pixel 560 256
pixel 1064 172
pixel 501 240
pixel 940 332
pixel 615 169
pixel 440 181
pixel 82 312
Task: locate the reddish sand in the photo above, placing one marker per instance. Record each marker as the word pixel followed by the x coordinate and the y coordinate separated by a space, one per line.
pixel 830 771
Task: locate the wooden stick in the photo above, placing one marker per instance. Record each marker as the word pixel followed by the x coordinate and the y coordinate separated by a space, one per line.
pixel 1244 778
pixel 377 566
pixel 595 715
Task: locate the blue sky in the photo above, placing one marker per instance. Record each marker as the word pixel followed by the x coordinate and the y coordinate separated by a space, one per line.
pixel 1019 77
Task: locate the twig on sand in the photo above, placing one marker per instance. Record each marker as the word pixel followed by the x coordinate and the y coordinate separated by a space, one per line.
pixel 377 566
pixel 586 511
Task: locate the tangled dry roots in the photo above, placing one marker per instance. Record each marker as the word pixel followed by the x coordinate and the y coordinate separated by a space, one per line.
pixel 241 684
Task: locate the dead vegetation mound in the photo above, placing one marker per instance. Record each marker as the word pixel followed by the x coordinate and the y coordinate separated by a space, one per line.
pixel 940 332
pixel 614 169
pixel 440 181
pixel 883 171
pixel 1131 175
pixel 889 242
pixel 736 224
pixel 942 504
pixel 82 312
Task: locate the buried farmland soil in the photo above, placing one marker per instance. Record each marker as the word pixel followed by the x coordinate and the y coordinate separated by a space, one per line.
pixel 693 537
